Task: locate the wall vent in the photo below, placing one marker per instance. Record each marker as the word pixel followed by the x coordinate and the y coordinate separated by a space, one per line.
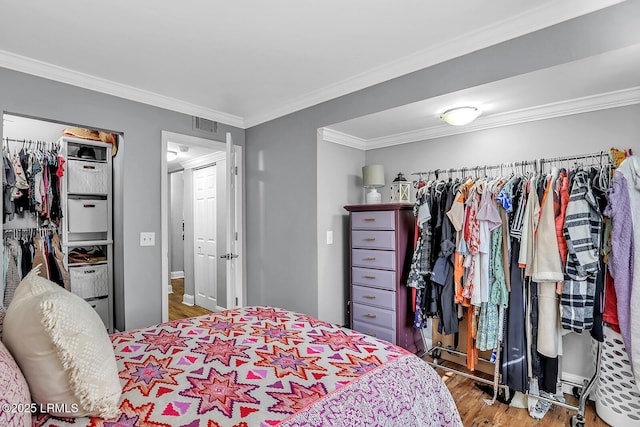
pixel 205 125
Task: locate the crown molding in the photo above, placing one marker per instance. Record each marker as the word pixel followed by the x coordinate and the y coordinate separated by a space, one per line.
pixel 64 75
pixel 206 160
pixel 532 20
pixel 620 98
pixel 342 138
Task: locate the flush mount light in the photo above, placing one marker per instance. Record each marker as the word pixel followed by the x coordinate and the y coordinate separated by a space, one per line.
pixel 460 115
pixel 171 155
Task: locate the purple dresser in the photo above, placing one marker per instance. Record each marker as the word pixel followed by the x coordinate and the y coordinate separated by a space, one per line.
pixel 381 247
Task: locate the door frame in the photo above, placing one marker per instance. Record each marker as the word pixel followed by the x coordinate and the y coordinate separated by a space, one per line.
pixel 167 136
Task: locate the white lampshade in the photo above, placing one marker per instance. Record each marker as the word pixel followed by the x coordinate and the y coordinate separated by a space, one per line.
pixel 461 115
pixel 373 177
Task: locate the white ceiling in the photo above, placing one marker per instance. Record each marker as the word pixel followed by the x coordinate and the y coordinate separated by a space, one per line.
pixel 603 81
pixel 248 61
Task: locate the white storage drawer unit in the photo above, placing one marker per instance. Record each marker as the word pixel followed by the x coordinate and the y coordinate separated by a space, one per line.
pixel 87 177
pixel 87 215
pixel 90 281
pixel 87 202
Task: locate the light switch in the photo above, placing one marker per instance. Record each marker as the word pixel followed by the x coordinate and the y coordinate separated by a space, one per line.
pixel 330 237
pixel 147 238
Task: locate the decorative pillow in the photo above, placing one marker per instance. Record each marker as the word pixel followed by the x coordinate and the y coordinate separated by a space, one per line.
pixel 15 401
pixel 63 349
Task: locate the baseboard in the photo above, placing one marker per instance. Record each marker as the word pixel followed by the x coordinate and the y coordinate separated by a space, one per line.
pixel 177 274
pixel 189 300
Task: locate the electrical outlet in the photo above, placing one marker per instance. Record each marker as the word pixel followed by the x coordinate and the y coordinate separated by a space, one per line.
pixel 329 237
pixel 147 238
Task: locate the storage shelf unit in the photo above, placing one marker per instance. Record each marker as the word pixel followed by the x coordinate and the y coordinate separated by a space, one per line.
pixel 381 237
pixel 87 228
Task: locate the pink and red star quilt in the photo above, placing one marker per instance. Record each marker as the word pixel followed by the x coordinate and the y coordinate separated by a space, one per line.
pixel 264 367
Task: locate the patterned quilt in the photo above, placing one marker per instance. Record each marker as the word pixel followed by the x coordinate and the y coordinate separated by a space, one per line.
pixel 263 367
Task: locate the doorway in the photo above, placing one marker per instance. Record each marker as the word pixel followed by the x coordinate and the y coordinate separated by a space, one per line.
pixel 203 180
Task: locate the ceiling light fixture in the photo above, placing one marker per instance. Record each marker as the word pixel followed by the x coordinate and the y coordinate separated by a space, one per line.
pixel 171 155
pixel 460 115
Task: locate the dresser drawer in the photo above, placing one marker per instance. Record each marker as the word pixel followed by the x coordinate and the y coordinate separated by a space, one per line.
pixel 373 258
pixel 382 279
pixel 374 315
pixel 385 334
pixel 373 239
pixel 372 296
pixel 378 220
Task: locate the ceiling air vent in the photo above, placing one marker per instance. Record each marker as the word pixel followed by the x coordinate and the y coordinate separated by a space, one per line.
pixel 205 125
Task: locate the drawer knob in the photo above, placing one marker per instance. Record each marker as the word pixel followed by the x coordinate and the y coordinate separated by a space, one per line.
pixel 369 277
pixel 88 167
pixel 373 334
pixel 370 316
pixel 369 219
pixel 369 296
pixel 88 206
pixel 369 258
pixel 369 239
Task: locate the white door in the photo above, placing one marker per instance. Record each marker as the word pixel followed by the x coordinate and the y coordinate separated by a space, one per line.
pixel 205 237
pixel 232 256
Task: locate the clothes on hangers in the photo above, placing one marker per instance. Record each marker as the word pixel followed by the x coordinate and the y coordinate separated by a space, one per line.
pixel 31 179
pixel 520 255
pixel 23 253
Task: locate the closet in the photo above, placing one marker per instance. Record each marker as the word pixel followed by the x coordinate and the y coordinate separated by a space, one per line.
pixel 57 211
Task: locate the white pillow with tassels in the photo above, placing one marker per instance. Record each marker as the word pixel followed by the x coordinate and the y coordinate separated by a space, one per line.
pixel 63 350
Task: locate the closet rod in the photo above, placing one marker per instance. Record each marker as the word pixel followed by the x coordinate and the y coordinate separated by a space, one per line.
pixel 28 141
pixel 479 168
pixel 594 156
pixel 535 162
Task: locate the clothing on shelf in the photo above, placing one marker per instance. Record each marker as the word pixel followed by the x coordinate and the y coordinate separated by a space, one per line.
pixel 31 177
pixel 87 254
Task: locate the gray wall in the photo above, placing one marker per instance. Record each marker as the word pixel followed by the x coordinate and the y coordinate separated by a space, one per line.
pixel 281 165
pixel 176 200
pixel 339 184
pixel 561 136
pixel 136 176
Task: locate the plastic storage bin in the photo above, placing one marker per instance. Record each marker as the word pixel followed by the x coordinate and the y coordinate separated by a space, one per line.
pixel 617 394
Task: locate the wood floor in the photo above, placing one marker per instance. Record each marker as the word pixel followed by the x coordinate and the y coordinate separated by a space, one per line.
pixel 475 412
pixel 469 399
pixel 177 310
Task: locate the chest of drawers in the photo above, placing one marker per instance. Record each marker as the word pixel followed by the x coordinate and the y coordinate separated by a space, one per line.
pixel 381 246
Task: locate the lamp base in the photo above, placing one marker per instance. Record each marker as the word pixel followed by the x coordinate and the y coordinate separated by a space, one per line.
pixel 373 197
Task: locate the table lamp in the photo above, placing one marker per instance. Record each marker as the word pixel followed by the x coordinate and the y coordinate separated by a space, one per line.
pixel 373 178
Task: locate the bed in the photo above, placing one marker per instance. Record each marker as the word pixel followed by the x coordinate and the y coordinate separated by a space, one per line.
pixel 264 366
